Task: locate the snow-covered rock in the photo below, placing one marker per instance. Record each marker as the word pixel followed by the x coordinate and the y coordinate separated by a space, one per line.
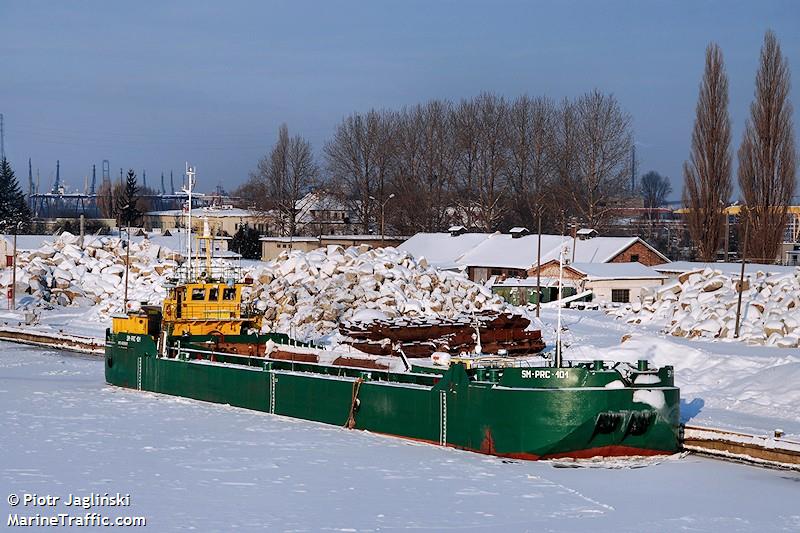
pixel 704 303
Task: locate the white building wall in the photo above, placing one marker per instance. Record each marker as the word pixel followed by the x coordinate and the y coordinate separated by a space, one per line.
pixel 637 287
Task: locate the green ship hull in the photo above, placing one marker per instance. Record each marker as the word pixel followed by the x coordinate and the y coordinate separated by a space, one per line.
pixel 527 413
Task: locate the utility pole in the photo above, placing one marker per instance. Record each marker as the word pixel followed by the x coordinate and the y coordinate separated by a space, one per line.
pixel 383 207
pixel 14 269
pixel 2 138
pixel 741 276
pixel 539 264
pixel 574 237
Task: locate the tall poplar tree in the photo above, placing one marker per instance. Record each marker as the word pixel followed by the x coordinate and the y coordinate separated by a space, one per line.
pixel 707 174
pixel 767 159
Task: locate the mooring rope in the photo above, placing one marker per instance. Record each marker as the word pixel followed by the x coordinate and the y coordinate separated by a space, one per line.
pixel 351 419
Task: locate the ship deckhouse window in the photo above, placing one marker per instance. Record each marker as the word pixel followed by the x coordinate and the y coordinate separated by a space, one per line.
pixel 198 294
pixel 228 293
pixel 213 294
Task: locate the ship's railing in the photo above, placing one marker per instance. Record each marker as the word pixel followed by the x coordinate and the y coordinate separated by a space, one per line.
pixel 266 363
pixel 199 273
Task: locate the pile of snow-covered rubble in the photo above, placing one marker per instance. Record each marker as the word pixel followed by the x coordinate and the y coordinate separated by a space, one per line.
pixel 64 273
pixel 703 304
pixel 302 294
pixel 308 294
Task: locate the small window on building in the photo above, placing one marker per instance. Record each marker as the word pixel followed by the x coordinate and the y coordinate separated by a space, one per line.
pixel 634 258
pixel 198 294
pixel 497 272
pixel 621 296
pixel 213 294
pixel 229 293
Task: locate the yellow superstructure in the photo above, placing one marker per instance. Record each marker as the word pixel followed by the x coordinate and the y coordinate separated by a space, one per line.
pixel 206 308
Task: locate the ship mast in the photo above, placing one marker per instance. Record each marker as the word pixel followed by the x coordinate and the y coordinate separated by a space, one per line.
pixel 561 255
pixel 188 190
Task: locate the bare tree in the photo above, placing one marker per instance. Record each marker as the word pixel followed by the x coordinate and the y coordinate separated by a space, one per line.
pixel 599 157
pixel 490 183
pixel 109 195
pixel 467 139
pixel 654 189
pixel 767 155
pixel 707 174
pixel 564 160
pixel 425 166
pixel 356 169
pixel 281 179
pixel 530 166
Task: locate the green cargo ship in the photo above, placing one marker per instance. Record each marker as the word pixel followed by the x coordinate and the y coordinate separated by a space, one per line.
pixel 528 413
pixel 202 343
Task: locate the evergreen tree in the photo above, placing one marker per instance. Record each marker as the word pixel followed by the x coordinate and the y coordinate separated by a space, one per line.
pixel 128 203
pixel 13 205
pixel 246 242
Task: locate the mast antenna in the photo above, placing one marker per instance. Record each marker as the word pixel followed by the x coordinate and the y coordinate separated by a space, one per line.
pixel 561 255
pixel 188 191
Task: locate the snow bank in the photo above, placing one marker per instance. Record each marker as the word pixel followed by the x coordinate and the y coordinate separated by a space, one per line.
pixel 703 304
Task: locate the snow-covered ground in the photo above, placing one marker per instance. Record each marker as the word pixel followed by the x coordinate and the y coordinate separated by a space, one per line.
pixel 194 466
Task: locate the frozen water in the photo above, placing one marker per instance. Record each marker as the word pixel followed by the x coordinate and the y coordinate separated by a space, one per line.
pixel 195 466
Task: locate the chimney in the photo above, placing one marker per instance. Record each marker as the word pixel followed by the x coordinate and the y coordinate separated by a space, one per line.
pixel 518 232
pixel 455 231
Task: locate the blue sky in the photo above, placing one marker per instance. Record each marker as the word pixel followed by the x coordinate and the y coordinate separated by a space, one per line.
pixel 150 85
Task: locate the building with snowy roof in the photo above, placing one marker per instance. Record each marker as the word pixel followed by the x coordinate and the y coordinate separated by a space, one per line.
pixel 607 282
pixel 484 255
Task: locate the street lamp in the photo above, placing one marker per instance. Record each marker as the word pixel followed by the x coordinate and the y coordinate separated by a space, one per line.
pixel 383 206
